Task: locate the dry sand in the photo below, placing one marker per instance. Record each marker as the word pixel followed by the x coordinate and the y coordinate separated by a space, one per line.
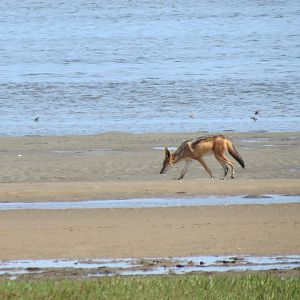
pixel 121 165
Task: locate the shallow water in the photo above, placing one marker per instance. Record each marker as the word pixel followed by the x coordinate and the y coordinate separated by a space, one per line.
pixel 154 202
pixel 150 266
pixel 154 66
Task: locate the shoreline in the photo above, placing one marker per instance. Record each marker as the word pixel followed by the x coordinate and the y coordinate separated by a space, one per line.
pixel 180 132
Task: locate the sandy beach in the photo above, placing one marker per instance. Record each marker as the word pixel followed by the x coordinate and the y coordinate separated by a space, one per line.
pixel 121 165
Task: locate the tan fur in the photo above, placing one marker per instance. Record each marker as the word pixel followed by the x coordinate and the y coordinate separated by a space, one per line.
pixel 195 150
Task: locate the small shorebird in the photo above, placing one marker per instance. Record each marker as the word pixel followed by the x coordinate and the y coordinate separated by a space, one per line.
pixel 254 119
pixel 36 119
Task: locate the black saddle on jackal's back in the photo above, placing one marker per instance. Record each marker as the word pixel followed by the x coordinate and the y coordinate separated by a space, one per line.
pixel 203 138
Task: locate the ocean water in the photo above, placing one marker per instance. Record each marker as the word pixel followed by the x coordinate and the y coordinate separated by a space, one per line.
pixel 85 67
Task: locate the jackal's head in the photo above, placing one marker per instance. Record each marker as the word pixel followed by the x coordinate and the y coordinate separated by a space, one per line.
pixel 168 161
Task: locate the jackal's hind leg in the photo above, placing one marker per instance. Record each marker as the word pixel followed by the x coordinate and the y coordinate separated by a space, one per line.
pixel 205 166
pixel 224 166
pixel 184 170
pixel 226 161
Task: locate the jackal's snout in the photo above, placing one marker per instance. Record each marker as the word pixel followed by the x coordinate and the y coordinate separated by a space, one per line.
pixel 165 167
pixel 166 162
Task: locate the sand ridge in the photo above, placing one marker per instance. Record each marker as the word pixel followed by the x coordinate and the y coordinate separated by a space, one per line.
pixel 76 191
pixel 151 232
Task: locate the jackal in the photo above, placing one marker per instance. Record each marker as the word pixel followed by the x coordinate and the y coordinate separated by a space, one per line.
pixel 195 150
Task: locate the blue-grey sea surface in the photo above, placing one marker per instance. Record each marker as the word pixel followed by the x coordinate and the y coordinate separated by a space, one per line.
pixel 85 67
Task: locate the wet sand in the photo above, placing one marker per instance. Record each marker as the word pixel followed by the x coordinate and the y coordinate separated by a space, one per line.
pixel 120 165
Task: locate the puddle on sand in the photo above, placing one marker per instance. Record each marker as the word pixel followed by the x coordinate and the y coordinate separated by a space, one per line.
pixel 295 170
pixel 254 140
pixel 81 151
pixel 163 148
pixel 154 202
pixel 149 266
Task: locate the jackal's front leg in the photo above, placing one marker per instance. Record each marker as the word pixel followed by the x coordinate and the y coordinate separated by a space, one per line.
pixel 205 166
pixel 184 170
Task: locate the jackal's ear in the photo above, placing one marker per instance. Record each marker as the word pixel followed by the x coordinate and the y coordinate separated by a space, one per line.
pixel 167 152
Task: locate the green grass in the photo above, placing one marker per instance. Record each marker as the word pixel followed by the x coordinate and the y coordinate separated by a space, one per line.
pixel 255 286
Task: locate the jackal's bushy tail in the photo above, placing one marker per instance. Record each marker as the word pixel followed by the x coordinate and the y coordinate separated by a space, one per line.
pixel 232 151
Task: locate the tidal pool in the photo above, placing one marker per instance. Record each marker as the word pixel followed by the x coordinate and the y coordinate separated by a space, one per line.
pixel 154 202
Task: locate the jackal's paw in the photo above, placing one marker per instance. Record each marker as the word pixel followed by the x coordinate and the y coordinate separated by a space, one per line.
pixel 232 177
pixel 222 178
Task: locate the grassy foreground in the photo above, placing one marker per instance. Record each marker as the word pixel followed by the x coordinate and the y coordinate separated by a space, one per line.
pixel 257 286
